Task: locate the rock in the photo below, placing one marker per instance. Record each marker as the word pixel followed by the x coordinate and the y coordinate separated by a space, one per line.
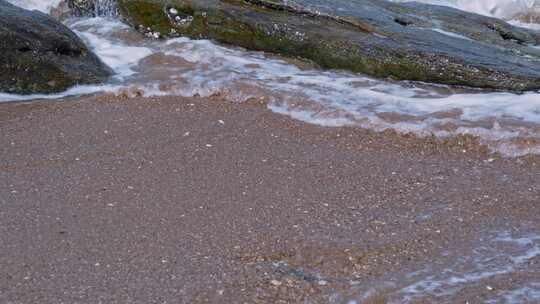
pixel 40 55
pixel 82 7
pixel 61 12
pixel 530 17
pixel 93 8
pixel 403 41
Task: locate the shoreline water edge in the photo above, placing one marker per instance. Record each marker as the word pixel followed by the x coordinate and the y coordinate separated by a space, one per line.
pixel 507 123
pixel 191 200
pixel 203 172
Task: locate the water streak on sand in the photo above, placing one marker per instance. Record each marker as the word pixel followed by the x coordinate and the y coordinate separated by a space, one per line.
pixel 487 265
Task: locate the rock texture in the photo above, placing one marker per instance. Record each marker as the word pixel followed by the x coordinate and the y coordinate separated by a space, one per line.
pixel 93 8
pixel 40 55
pixel 409 41
pixel 530 17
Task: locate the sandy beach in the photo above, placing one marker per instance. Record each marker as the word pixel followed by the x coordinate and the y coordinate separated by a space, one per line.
pixel 172 200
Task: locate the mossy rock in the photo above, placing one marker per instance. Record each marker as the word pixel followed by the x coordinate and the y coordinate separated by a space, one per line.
pixel 379 38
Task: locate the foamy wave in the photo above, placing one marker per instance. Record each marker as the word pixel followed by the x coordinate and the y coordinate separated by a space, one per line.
pixel 503 255
pixel 122 58
pixel 507 123
pixel 485 264
pixel 44 6
pixel 493 8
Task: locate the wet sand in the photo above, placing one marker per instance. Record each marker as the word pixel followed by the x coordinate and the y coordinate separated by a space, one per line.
pixel 174 200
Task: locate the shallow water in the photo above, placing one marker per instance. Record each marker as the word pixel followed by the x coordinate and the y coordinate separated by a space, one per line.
pixel 502 263
pixel 507 123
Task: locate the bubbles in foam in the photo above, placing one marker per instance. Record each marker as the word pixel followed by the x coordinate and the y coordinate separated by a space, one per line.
pixel 508 123
pixel 120 57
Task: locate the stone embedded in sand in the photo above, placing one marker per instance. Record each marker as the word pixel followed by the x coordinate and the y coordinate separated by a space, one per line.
pixel 40 55
pixel 410 41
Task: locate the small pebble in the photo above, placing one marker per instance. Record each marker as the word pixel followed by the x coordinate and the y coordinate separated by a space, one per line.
pixel 275 283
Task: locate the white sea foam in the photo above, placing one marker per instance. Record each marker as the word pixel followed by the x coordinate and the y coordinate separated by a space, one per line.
pixel 493 8
pixel 532 26
pixel 44 6
pixel 120 57
pixel 188 67
pixel 78 90
pixel 98 33
pixel 486 264
pixel 498 256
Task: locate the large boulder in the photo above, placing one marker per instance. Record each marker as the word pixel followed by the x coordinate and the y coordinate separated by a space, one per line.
pixel 40 55
pixel 404 41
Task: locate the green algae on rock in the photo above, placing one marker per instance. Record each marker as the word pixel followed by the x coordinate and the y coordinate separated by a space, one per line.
pixel 40 55
pixel 410 41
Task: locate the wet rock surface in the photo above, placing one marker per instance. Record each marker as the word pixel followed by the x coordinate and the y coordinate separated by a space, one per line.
pixel 92 8
pixel 409 41
pixel 40 55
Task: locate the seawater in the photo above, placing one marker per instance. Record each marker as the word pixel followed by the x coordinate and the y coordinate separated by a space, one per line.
pixel 508 123
pixel 500 263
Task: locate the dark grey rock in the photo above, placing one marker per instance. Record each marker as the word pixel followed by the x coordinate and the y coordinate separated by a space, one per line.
pixel 409 41
pixel 40 55
pixel 93 8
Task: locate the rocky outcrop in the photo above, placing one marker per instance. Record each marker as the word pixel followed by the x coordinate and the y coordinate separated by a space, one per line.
pixel 93 8
pixel 40 55
pixel 410 41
